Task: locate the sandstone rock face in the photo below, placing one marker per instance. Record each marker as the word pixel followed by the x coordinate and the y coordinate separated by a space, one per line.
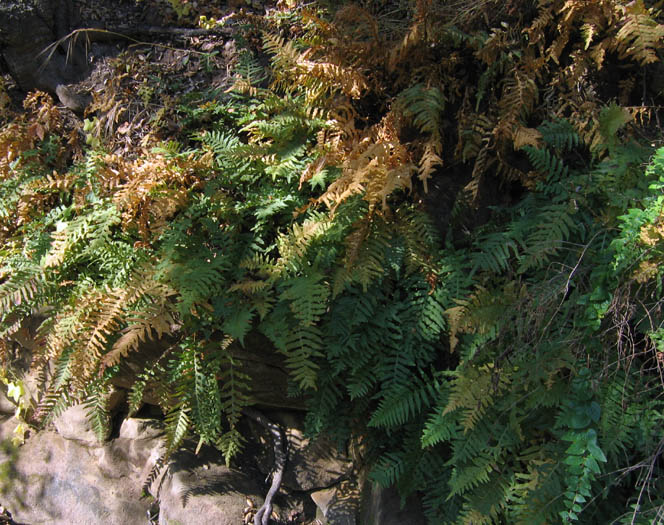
pixel 73 423
pixel 6 406
pixel 141 428
pixel 61 482
pixel 313 464
pixel 201 490
pixel 58 481
pixel 267 372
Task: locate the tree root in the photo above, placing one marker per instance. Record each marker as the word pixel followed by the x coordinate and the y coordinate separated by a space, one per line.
pixel 262 517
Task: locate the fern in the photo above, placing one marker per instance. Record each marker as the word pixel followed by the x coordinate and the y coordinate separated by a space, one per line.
pixel 560 135
pixel 301 347
pixel 547 163
pixel 441 426
pixel 307 297
pixel 289 206
pixel 388 469
pixel 97 411
pixel 639 35
pixel 22 279
pixel 206 402
pixel 400 407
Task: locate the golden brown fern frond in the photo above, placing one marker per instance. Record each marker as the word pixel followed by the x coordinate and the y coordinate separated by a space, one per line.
pixel 520 94
pixel 527 137
pixel 41 118
pixel 640 35
pixel 375 167
pixel 155 188
pixel 305 71
pixel 430 161
pixel 38 194
pixel 153 323
pixel 480 166
pixel 399 53
pixel 99 314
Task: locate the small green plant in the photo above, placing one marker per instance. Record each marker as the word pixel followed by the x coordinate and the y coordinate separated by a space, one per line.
pixel 583 456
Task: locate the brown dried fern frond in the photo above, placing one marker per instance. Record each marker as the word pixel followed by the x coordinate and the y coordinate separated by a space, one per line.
pixel 155 188
pixel 640 35
pixel 519 97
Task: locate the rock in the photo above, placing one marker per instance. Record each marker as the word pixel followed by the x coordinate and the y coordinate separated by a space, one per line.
pixel 141 428
pixel 267 373
pixel 311 464
pixel 382 506
pixel 7 426
pixel 201 490
pixel 6 406
pixel 57 481
pixel 73 423
pixel 339 505
pixel 69 98
pixel 27 28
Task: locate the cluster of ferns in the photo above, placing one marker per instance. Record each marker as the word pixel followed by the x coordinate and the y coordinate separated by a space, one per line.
pixel 506 369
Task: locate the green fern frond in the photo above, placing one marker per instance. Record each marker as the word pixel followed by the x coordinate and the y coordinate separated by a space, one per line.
pixel 235 387
pixel 554 226
pixel 388 469
pixel 473 392
pixel 22 280
pixel 469 477
pixel 301 347
pixel 547 163
pixel 560 135
pixel 496 252
pixel 611 119
pixel 425 105
pixel 238 323
pixel 440 427
pixel 79 238
pixel 230 444
pixel 53 404
pixel 307 296
pixel 178 423
pixel 400 407
pixel 97 411
pixel 206 401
